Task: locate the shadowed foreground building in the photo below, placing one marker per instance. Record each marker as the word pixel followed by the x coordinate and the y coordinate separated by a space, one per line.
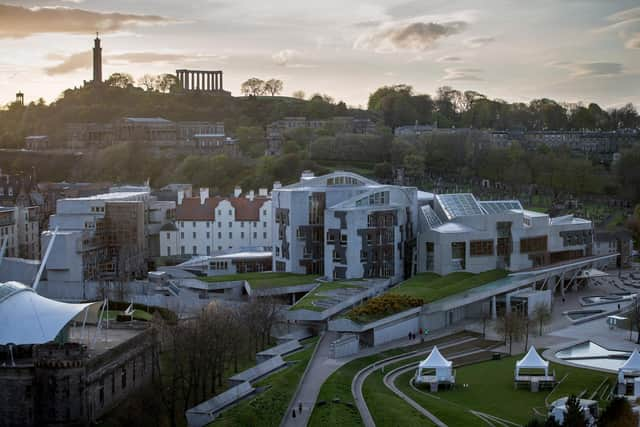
pixel 54 373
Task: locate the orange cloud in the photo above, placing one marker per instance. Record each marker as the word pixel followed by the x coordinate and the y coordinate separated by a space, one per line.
pixel 19 22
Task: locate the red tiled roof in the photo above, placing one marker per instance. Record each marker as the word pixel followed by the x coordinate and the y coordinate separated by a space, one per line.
pixel 245 209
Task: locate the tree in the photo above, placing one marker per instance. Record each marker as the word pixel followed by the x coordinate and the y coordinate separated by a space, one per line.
pixel 618 414
pixel 574 416
pixel 510 326
pixel 541 315
pixel 148 82
pixel 165 83
pixel 273 86
pixel 299 94
pixel 254 86
pixel 628 173
pixel 120 80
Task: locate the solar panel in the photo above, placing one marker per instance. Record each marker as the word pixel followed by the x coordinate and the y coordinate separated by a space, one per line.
pixel 455 205
pixel 499 206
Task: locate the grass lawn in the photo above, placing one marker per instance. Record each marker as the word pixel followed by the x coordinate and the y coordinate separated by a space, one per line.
pixel 306 302
pixel 137 315
pixel 491 385
pixel 264 280
pixel 431 287
pixel 267 408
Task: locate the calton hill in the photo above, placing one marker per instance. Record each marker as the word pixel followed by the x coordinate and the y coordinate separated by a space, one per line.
pixel 455 159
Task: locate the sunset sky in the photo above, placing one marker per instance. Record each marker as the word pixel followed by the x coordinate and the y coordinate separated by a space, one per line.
pixel 569 50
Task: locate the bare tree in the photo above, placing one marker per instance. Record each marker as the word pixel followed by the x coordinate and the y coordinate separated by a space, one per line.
pixel 541 315
pixel 165 83
pixel 510 325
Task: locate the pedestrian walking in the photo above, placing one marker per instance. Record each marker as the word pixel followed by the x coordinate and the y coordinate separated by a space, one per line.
pixel 300 407
pixel 293 415
pixel 409 335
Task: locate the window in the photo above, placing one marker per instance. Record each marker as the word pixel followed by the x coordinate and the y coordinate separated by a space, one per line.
pixel 208 235
pixel 123 377
pixel 430 256
pixel 264 235
pixel 343 239
pixel 181 224
pixel 194 234
pixel 255 235
pixel 242 234
pixel 219 234
pixel 533 244
pixel 195 250
pixel 230 235
pixel 194 224
pixel 208 224
pixel 168 250
pixel 277 250
pixel 264 224
pixel 481 247
pixel 230 212
pixel 230 224
pixel 208 250
pixel 241 224
pixel 168 236
pixel 182 250
pixel 219 224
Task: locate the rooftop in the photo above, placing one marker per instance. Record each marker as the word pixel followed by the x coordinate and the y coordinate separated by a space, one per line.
pixel 456 205
pixel 111 196
pixel 264 280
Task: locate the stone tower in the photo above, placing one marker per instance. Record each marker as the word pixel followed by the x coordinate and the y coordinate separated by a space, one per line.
pixel 97 60
pixel 20 98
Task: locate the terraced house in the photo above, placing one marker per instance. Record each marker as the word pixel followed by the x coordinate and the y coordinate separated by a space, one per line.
pixel 213 225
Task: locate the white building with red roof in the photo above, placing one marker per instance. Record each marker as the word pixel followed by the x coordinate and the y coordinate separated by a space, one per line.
pixel 207 225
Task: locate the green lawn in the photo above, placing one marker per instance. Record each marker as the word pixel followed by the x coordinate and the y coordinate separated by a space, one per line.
pixel 431 287
pixel 267 408
pixel 137 315
pixel 264 280
pixel 306 302
pixel 344 413
pixel 491 385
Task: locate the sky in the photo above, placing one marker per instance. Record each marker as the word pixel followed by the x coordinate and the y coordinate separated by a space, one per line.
pixel 516 50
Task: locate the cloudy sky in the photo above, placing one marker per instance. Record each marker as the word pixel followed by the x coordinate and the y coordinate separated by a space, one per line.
pixel 570 50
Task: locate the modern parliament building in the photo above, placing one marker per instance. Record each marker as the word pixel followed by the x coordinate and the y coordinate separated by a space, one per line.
pixel 345 226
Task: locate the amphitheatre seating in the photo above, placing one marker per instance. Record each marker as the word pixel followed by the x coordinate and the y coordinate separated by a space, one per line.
pixel 207 411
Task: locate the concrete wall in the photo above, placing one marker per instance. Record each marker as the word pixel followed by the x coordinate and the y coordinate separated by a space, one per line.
pixel 396 330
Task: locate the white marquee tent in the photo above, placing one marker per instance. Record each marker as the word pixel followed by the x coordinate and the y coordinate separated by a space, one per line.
pixel 532 360
pixel 435 361
pixel 631 366
pixel 28 318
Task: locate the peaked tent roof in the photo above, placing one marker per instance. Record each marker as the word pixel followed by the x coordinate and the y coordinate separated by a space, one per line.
pixel 28 318
pixel 632 363
pixel 435 360
pixel 532 360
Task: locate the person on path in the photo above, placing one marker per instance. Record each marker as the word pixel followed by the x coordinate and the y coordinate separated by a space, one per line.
pixel 300 407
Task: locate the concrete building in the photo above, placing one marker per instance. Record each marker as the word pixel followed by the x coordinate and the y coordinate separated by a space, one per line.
pixel 459 233
pixel 207 225
pixel 615 241
pixel 36 142
pixel 344 226
pixel 107 237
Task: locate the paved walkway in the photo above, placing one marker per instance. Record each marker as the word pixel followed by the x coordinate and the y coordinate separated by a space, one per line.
pixel 320 367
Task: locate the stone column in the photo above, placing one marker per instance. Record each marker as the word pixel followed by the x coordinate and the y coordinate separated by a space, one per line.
pixel 211 83
pixel 187 79
pixel 220 76
pixel 494 312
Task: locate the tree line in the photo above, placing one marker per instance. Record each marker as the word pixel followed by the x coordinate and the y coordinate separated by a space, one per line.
pixel 399 105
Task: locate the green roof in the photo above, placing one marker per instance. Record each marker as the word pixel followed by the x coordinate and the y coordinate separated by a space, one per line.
pixel 320 293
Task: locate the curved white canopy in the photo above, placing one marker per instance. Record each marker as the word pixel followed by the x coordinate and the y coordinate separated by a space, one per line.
pixel 435 360
pixel 28 318
pixel 532 360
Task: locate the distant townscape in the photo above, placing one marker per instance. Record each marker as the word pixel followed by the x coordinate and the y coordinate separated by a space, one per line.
pixel 173 255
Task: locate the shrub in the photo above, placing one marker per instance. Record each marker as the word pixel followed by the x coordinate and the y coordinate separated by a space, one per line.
pixel 384 305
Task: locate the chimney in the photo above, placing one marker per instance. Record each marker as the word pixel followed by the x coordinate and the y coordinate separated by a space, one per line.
pixel 180 196
pixel 277 185
pixel 263 192
pixel 237 191
pixel 204 195
pixel 251 195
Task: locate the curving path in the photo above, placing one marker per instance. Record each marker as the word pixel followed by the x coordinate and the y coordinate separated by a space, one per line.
pixel 361 376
